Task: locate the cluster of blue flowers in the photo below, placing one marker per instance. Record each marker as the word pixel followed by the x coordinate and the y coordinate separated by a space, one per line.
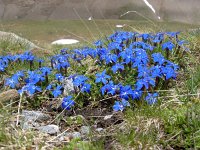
pixel 143 57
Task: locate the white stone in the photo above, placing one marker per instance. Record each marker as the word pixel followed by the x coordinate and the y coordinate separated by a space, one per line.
pixel 120 26
pixel 107 117
pixel 64 42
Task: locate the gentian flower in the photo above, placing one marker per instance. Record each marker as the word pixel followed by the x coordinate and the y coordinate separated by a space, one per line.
pixel 143 71
pixel 34 77
pixel 111 58
pixel 136 95
pixel 127 55
pixel 86 88
pixel 12 82
pixel 59 77
pixel 118 106
pixel 79 80
pixel 57 91
pixel 145 82
pixel 98 43
pixel 45 71
pixel 151 98
pixel 126 92
pixel 117 66
pixel 172 34
pixel 31 88
pixel 19 74
pixel 102 77
pixel 67 102
pixel 158 58
pixel 49 87
pixel 125 103
pixel 63 51
pixel 168 72
pixel 168 45
pixel 156 71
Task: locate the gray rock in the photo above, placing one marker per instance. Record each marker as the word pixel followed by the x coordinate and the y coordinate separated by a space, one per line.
pixel 85 130
pixel 34 116
pixel 50 129
pixel 99 130
pixel 68 86
pixel 107 117
pixel 76 135
pixel 15 39
pixel 71 134
pixel 29 125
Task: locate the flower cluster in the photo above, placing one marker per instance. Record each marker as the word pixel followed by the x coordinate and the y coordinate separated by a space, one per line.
pixel 131 66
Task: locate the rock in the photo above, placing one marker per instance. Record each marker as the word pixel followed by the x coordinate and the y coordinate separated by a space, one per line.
pixel 64 42
pixel 76 134
pixel 107 117
pixel 70 135
pixel 30 125
pixel 68 86
pixel 99 130
pixel 13 38
pixel 9 95
pixel 34 116
pixel 50 129
pixel 85 130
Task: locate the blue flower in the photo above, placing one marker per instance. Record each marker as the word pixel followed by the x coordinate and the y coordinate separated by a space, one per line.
pixel 106 87
pixel 45 71
pixel 98 43
pixel 79 80
pixel 19 74
pixel 168 72
pixel 2 68
pixel 86 88
pixel 34 77
pixel 59 77
pixel 12 82
pixel 63 51
pixel 31 88
pixel 145 82
pixel 143 71
pixel 156 71
pixel 67 102
pixel 181 43
pixel 114 89
pixel 145 36
pixel 116 45
pixel 136 94
pixel 168 45
pixel 142 45
pixel 49 87
pixel 92 52
pixel 125 103
pixel 126 92
pixel 102 77
pixel 172 34
pixel 151 98
pixel 110 58
pixel 158 58
pixel 118 106
pixel 57 91
pixel 127 55
pixel 117 66
pixel 110 88
pixel 141 58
